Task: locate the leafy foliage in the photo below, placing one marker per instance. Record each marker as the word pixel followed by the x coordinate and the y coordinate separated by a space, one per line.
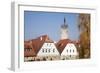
pixel 84 28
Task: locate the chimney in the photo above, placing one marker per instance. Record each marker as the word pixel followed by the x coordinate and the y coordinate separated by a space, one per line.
pixel 40 38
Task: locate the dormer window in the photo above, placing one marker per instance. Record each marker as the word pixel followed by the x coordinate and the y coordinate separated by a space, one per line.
pixel 28 49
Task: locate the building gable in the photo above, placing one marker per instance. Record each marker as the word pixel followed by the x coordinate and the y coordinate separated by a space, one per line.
pixel 48 49
pixel 70 49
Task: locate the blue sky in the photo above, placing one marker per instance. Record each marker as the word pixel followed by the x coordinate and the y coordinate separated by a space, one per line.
pixel 41 23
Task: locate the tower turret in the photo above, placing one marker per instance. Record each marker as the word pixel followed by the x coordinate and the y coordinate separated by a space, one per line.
pixel 64 30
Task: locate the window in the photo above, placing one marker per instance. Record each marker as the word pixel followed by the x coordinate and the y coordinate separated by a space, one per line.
pixel 24 49
pixel 47 44
pixel 53 50
pixel 50 44
pixel 70 50
pixel 67 50
pixel 42 50
pixel 69 55
pixel 73 50
pixel 28 49
pixel 49 50
pixel 46 50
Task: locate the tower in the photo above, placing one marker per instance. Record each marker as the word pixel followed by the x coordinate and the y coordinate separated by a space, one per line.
pixel 64 30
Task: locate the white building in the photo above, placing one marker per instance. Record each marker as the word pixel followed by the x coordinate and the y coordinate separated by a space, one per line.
pixel 67 47
pixel 48 50
pixel 69 52
pixel 45 49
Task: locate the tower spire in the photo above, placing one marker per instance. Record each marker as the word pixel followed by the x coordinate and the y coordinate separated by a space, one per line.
pixel 64 30
pixel 64 24
pixel 64 21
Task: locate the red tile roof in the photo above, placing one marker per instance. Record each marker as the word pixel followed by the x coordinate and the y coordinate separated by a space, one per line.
pixel 27 47
pixel 36 44
pixel 61 44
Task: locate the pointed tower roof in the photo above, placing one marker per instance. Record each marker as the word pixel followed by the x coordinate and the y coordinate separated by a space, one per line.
pixel 64 26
